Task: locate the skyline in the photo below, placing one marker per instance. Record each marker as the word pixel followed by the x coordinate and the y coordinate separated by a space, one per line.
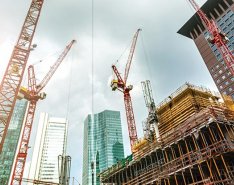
pixel 171 71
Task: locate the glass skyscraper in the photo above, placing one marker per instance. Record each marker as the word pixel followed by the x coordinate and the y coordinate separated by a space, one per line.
pixel 103 144
pixel 11 142
pixel 222 11
pixel 51 140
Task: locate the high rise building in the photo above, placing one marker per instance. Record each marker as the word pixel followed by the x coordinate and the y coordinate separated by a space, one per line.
pixel 222 11
pixel 11 142
pixel 50 142
pixel 103 144
pixel 196 148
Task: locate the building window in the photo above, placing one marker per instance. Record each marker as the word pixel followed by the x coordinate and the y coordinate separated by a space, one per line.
pixel 232 96
pixel 219 57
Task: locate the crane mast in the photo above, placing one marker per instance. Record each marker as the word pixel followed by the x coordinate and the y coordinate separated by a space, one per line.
pixel 217 37
pixel 20 161
pixel 32 94
pixel 13 76
pixel 120 84
pixel 151 124
pixel 130 117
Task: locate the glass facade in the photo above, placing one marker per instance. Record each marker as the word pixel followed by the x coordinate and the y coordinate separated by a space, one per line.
pixel 103 144
pixel 222 76
pixel 221 11
pixel 11 142
pixel 50 143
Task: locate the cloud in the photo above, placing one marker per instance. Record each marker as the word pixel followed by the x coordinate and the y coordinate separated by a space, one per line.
pixel 162 56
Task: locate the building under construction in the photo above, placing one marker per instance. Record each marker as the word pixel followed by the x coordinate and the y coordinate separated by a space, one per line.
pixel 196 144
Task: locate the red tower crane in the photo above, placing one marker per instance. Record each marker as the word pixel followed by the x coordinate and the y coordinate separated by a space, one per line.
pixel 120 84
pixel 32 94
pixel 13 76
pixel 217 37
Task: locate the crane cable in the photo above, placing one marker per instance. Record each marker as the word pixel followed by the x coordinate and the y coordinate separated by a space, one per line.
pixel 92 56
pixel 124 51
pixel 192 10
pixel 146 56
pixel 38 61
pixel 69 84
pixel 47 57
pixel 71 57
pixel 147 60
pixel 121 55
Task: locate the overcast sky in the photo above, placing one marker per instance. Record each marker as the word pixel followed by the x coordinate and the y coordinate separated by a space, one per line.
pixel 164 57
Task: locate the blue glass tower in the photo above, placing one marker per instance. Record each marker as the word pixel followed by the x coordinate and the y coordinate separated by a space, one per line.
pixel 11 141
pixel 103 144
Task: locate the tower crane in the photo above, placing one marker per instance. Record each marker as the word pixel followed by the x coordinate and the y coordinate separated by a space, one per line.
pixel 217 38
pixel 151 124
pixel 32 94
pixel 14 72
pixel 120 84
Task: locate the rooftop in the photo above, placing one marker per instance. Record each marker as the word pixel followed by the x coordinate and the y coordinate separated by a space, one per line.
pixel 208 8
pixel 183 88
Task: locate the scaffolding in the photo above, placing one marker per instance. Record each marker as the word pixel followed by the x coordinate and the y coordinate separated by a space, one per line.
pixel 184 102
pixel 176 109
pixel 197 150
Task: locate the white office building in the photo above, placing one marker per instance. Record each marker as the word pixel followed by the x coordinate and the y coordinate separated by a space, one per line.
pixel 50 142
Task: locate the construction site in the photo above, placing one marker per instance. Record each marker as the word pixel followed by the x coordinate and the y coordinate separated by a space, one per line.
pixel 188 137
pixel 195 144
